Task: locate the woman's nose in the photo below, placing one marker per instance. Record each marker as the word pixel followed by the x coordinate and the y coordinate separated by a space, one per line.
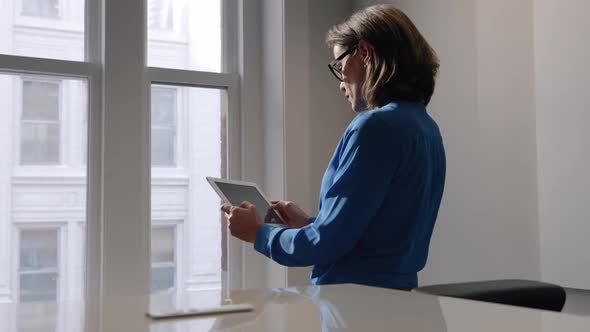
pixel 342 87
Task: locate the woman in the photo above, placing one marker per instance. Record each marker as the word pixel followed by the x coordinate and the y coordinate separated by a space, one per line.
pixel 382 189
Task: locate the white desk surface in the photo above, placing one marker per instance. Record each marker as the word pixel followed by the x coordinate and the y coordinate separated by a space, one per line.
pixel 325 308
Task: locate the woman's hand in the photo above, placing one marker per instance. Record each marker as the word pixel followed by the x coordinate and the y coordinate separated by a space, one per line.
pixel 293 215
pixel 242 221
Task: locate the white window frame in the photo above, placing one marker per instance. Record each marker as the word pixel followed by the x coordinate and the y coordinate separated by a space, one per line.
pixel 118 219
pixel 129 274
pixel 227 82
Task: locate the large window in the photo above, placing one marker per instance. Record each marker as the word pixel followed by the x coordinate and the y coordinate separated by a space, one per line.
pixel 97 121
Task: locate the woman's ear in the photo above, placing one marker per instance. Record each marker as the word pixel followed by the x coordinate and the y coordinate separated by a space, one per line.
pixel 366 51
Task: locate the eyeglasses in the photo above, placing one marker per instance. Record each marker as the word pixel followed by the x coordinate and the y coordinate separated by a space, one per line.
pixel 336 65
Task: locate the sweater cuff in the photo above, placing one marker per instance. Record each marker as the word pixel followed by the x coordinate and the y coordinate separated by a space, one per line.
pixel 263 235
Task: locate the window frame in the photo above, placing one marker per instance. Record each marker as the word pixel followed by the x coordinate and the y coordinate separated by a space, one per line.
pixel 118 19
pixel 107 271
pixel 229 83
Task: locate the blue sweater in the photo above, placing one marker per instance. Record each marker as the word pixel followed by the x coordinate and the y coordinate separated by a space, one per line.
pixel 378 203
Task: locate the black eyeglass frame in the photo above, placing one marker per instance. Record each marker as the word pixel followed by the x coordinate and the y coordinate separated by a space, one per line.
pixel 336 66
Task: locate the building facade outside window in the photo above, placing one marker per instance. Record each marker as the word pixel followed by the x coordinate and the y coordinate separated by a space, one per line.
pixel 160 15
pixel 40 8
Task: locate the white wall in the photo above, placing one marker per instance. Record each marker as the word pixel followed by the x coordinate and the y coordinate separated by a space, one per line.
pixel 484 104
pixel 297 114
pixel 562 50
pixel 316 114
pixel 302 111
pixel 330 112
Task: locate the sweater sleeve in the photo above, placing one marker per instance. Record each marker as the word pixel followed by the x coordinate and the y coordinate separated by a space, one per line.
pixel 366 167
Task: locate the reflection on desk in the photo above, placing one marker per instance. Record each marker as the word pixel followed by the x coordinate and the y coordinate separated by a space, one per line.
pixel 313 308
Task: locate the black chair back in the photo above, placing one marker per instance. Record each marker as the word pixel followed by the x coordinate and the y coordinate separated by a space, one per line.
pixel 523 293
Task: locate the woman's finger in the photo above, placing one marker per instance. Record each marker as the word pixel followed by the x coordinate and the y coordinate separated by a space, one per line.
pixel 246 205
pixel 227 208
pixel 280 209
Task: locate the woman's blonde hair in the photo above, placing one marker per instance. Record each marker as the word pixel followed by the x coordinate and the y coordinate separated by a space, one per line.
pixel 403 67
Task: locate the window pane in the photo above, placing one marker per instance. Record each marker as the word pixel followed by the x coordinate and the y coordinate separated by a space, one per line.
pixel 41 8
pixel 51 29
pixel 39 143
pixel 40 127
pixel 185 34
pixel 164 108
pixel 163 258
pixel 163 279
pixel 40 100
pixel 38 249
pixel 163 245
pixel 43 186
pixel 38 264
pixel 163 148
pixel 38 287
pixel 185 194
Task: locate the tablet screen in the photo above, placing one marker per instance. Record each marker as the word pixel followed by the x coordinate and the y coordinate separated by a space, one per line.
pixel 236 194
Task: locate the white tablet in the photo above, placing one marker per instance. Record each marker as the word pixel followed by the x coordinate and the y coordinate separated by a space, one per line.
pixel 235 192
